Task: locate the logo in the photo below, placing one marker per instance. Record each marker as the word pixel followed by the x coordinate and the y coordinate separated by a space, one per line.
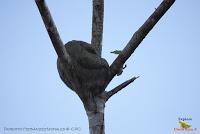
pixel 185 126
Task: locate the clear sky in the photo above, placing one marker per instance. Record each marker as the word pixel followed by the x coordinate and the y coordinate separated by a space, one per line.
pixel 167 61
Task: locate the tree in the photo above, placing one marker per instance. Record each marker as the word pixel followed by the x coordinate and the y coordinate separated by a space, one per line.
pixel 81 66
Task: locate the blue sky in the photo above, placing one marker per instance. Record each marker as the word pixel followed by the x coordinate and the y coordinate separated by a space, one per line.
pixel 167 61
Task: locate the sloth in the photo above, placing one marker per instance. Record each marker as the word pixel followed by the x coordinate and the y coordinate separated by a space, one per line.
pixel 86 72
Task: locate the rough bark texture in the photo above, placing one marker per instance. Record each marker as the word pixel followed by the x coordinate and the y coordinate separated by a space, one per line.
pixel 97 25
pixel 139 35
pixel 52 30
pixel 81 67
pixel 120 87
pixel 95 113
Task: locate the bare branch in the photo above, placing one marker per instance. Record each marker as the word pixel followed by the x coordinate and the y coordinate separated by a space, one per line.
pixel 118 88
pixel 139 35
pixel 97 25
pixel 52 30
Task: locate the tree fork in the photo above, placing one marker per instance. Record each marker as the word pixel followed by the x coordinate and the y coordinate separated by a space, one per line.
pixel 95 104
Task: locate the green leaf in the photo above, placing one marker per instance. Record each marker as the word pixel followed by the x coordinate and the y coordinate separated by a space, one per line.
pixel 116 52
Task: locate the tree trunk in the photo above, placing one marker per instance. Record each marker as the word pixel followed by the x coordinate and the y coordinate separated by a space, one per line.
pixel 96 122
pixel 95 111
pixel 82 68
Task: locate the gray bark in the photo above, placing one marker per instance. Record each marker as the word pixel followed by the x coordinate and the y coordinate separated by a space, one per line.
pixel 139 35
pixel 81 67
pixel 52 30
pixel 97 25
pixel 96 122
pixel 120 87
pixel 96 116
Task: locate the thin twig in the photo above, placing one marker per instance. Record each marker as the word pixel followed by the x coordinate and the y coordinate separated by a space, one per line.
pixel 52 30
pixel 139 35
pixel 97 25
pixel 118 88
